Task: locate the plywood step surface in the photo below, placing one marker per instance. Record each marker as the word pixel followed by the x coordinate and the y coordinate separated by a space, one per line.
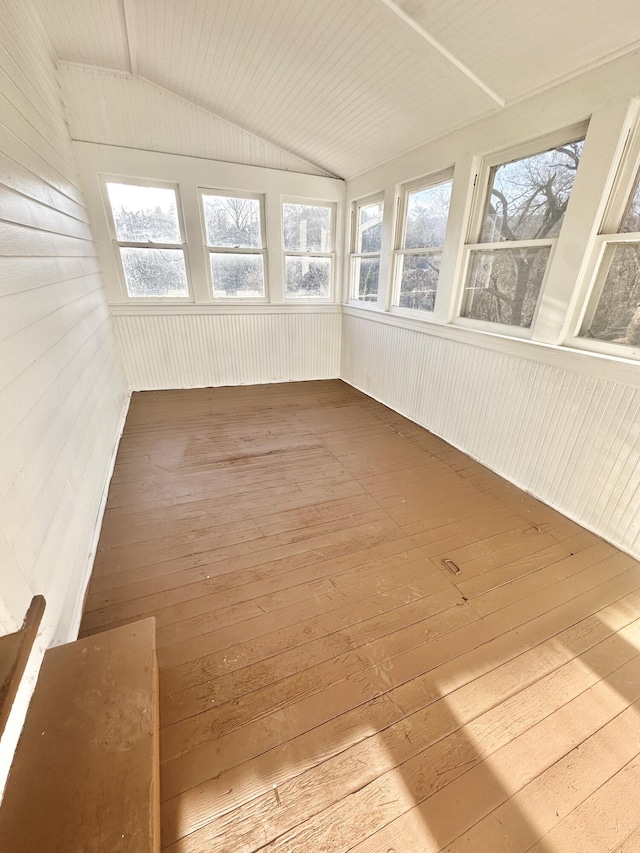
pixel 84 777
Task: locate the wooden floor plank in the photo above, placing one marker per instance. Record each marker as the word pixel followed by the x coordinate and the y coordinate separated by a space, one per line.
pixel 449 751
pixel 327 682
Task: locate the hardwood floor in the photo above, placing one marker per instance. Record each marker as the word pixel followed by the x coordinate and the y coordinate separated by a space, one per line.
pixel 327 683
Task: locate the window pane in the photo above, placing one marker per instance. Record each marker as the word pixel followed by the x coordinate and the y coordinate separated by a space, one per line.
pixel 369 234
pixel 144 214
pixel 307 228
pixel 617 315
pixel 503 285
pixel 366 272
pixel 631 219
pixel 237 276
pixel 232 222
pixel 528 198
pixel 154 272
pixel 308 277
pixel 418 280
pixel 427 212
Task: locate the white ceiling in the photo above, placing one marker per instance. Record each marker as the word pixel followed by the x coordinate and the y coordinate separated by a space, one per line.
pixel 344 84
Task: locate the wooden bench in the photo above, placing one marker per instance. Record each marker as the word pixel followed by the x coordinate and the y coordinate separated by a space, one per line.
pixel 85 774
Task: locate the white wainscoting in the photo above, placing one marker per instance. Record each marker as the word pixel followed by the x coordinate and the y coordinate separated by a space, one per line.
pixel 562 425
pixel 194 350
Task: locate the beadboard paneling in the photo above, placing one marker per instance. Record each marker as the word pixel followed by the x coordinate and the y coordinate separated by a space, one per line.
pixel 343 85
pixel 62 383
pixel 563 427
pixel 201 350
pixel 116 109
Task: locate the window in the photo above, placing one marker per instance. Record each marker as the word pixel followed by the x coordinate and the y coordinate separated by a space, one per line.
pixel 148 234
pixel 366 243
pixel 308 249
pixel 423 222
pixel 235 244
pixel 516 231
pixel 613 313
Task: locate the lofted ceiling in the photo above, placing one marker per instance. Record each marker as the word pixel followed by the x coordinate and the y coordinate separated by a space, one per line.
pixel 344 84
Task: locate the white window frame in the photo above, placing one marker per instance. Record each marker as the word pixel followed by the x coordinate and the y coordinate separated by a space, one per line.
pixel 232 250
pixel 289 253
pixel 480 201
pixel 118 244
pixel 423 183
pixel 354 256
pixel 593 282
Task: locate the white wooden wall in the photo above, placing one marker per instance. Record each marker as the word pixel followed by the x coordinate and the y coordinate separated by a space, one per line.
pixel 115 108
pixel 204 342
pixel 197 350
pixel 560 425
pixel 62 384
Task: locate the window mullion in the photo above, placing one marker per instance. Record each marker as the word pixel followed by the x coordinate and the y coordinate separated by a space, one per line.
pixel 510 244
pixel 130 244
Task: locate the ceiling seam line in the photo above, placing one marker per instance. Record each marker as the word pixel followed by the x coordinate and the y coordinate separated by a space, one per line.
pixel 130 33
pixel 468 73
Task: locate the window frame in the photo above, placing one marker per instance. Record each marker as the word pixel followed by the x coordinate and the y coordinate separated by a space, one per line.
pixel 232 250
pixel 590 288
pixel 356 206
pixel 290 253
pixel 118 244
pixel 425 182
pixel 479 206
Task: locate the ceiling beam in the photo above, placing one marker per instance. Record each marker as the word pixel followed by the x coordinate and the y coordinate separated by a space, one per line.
pixel 130 31
pixel 442 50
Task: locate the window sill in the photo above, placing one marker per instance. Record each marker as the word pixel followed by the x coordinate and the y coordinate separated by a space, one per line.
pixel 124 309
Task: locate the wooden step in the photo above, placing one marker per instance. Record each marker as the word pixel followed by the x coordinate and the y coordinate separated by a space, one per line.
pixel 85 773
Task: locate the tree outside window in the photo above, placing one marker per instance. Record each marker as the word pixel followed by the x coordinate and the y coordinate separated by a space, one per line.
pixel 425 211
pixel 365 255
pixel 526 203
pixel 235 243
pixel 149 239
pixel 614 310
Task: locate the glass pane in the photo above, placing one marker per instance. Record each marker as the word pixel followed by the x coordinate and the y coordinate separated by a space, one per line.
pixel 237 276
pixel 154 272
pixel 427 212
pixel 366 272
pixel 144 214
pixel 617 314
pixel 528 198
pixel 369 234
pixel 232 222
pixel 503 285
pixel 307 228
pixel 631 218
pixel 418 280
pixel 308 277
